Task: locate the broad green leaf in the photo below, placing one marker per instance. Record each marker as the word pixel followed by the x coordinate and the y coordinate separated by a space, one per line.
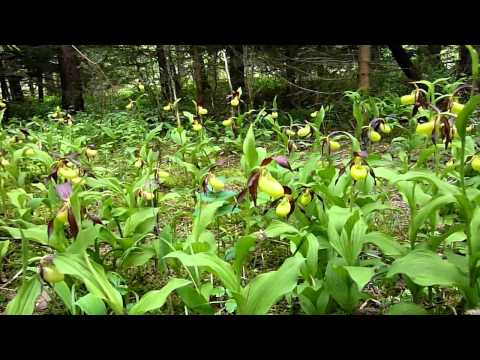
pixel 428 210
pixel 161 245
pixel 195 301
pixel 424 155
pixel 475 232
pixel 426 268
pixel 462 118
pixel 106 235
pixel 312 254
pixel 155 299
pixel 349 246
pixel 242 249
pixel 406 309
pixel 140 223
pixel 340 286
pixel 204 215
pixel 18 198
pixel 277 228
pixel 361 275
pixel 267 289
pixel 3 248
pixel 92 305
pixel 138 256
pixel 85 238
pixel 338 216
pixel 455 237
pixel 220 268
pixel 474 59
pixel 62 290
pixel 38 234
pixel 24 301
pixel 388 245
pixel 92 275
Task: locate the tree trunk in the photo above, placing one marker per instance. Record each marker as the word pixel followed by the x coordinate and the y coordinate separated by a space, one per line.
pixel 199 75
pixel 179 56
pixel 175 72
pixel 405 63
pixel 236 67
pixel 40 86
pixel 3 83
pixel 15 87
pixel 435 51
pixel 464 63
pixel 5 92
pixel 290 73
pixel 71 83
pixel 164 80
pixel 364 67
pixel 375 53
pixel 30 87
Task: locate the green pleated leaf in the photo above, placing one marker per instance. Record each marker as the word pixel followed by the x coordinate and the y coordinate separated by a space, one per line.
pixel 24 301
pixel 426 268
pixel 155 299
pixel 267 289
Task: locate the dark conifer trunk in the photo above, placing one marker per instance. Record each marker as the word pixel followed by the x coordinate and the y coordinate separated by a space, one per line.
pixel 236 67
pixel 405 63
pixel 71 83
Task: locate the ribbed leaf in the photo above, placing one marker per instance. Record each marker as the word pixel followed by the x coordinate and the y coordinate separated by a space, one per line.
pixel 155 299
pixel 220 268
pixel 92 305
pixel 426 268
pixel 266 289
pixel 24 302
pixel 92 275
pixel 361 275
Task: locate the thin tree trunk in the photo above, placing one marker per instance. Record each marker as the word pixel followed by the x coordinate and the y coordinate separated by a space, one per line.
pixel 405 63
pixel 162 66
pixel 180 58
pixel 40 86
pixel 464 63
pixel 3 82
pixel 364 67
pixel 199 75
pixel 435 51
pixel 31 88
pixel 71 83
pixel 175 71
pixel 15 87
pixel 290 73
pixel 248 69
pixel 236 66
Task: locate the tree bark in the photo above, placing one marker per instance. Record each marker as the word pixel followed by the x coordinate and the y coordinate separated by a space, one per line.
pixel 30 87
pixel 236 67
pixel 15 87
pixel 175 71
pixel 71 82
pixel 40 86
pixel 3 83
pixel 435 52
pixel 199 75
pixel 405 63
pixel 290 73
pixel 164 80
pixel 464 63
pixel 364 67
